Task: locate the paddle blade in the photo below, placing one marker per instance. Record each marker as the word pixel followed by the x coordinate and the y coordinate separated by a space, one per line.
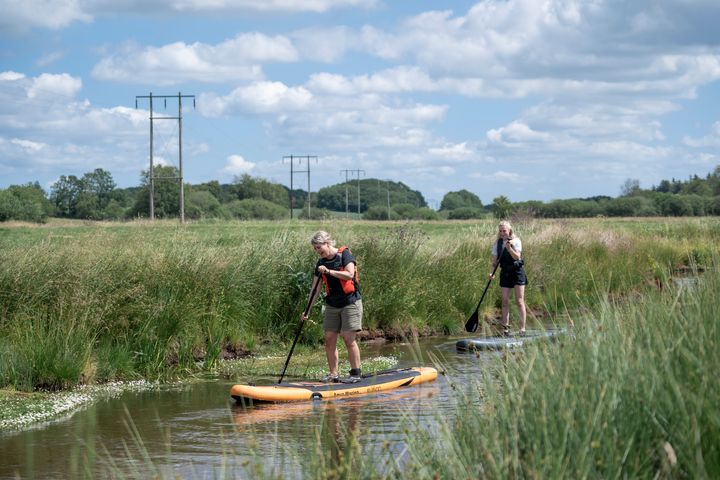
pixel 472 323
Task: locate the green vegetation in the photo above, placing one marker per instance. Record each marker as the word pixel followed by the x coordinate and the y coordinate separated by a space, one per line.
pixel 82 303
pixel 631 395
pixel 374 193
pixel 94 196
pixel 26 202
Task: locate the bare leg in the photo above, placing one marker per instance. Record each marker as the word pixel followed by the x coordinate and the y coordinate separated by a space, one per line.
pixel 352 348
pixel 520 299
pixel 331 351
pixel 505 307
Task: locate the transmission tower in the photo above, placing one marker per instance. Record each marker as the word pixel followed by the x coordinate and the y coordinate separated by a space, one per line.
pixel 299 158
pixel 151 175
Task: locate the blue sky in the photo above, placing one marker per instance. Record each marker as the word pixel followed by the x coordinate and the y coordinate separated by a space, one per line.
pixel 531 99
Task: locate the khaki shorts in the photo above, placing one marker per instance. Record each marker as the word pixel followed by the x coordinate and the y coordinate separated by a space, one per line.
pixel 345 319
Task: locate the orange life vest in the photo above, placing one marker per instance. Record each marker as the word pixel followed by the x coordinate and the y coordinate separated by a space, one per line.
pixel 348 286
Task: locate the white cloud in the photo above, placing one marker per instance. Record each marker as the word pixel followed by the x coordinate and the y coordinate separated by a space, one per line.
pixel 51 128
pixel 28 145
pixel 516 133
pixel 49 85
pixel 256 98
pixel 10 76
pixel 317 6
pixel 502 177
pixel 49 58
pixel 231 60
pixel 459 151
pixel 22 15
pixel 52 14
pixel 325 44
pixel 236 165
pixel 710 140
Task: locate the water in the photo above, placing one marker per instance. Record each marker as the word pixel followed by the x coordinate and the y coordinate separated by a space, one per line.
pixel 199 431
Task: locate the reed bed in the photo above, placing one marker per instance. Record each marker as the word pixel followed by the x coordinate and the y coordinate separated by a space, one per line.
pixel 83 303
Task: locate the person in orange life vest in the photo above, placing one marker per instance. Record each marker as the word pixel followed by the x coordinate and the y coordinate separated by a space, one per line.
pixel 512 273
pixel 343 302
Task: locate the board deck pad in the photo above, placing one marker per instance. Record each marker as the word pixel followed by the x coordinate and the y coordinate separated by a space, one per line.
pixel 501 342
pixel 299 391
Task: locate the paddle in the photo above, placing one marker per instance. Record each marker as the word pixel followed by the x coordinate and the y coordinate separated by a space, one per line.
pixel 297 335
pixel 472 323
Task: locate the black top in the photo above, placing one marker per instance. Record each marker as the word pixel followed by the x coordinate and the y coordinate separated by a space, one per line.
pixel 335 297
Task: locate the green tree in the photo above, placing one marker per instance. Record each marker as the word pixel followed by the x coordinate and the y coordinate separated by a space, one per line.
pixel 404 210
pixel 465 213
pixel 630 187
pixel 203 204
pixel 372 192
pixel 84 197
pixel 671 205
pixel 65 193
pixel 113 211
pixel 166 193
pixel 697 186
pixel 24 202
pixel 501 207
pixel 246 187
pixel 379 212
pixel 99 183
pixel 255 208
pixel 460 199
pixel 10 206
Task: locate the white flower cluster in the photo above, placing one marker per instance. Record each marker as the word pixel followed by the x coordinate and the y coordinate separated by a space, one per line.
pixel 24 412
pixel 20 412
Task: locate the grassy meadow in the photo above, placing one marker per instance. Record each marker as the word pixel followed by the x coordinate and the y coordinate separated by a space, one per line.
pixel 96 302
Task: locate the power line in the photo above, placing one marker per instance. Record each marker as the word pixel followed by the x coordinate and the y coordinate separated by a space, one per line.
pixel 151 174
pixel 357 172
pixel 299 158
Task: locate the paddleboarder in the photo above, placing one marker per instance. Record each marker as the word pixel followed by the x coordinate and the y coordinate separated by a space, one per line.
pixel 343 302
pixel 512 273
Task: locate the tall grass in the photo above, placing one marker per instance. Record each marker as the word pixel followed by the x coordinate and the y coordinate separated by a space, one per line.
pixel 93 303
pixel 633 395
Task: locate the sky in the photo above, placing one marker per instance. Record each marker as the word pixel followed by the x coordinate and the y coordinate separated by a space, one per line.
pixel 531 99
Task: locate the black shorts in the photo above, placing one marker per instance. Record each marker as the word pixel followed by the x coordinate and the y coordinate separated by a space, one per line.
pixel 511 277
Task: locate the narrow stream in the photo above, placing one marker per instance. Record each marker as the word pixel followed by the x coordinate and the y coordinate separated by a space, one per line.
pixel 198 431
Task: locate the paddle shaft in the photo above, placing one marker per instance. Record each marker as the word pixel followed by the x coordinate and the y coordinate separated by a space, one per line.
pixel 297 335
pixel 471 324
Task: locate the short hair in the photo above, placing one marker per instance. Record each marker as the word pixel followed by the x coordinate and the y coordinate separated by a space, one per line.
pixel 321 237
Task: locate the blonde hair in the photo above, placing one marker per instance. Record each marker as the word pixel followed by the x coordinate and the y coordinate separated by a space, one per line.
pixel 506 224
pixel 321 237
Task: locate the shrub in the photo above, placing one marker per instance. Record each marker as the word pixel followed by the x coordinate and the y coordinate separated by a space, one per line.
pixel 253 208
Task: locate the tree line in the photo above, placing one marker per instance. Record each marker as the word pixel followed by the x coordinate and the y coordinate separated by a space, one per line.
pixel 95 196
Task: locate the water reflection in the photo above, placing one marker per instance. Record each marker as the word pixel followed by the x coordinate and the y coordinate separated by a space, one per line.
pixel 199 431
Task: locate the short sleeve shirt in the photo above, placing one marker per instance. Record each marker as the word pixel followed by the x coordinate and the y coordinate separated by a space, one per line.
pixel 516 243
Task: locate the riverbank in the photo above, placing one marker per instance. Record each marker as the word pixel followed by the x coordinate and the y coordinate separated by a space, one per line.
pixel 23 410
